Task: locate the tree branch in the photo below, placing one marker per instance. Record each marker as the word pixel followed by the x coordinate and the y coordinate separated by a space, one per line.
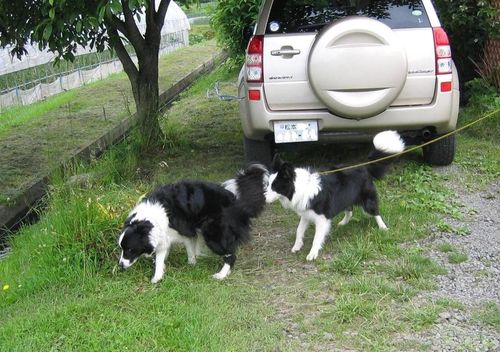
pixel 118 24
pixel 116 42
pixel 162 12
pixel 133 34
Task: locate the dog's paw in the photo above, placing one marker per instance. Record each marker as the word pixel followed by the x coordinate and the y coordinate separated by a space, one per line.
pixel 192 261
pixel 155 279
pixel 219 276
pixel 297 247
pixel 223 273
pixel 312 256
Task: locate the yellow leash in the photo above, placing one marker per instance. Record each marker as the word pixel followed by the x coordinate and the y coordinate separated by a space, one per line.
pixel 413 148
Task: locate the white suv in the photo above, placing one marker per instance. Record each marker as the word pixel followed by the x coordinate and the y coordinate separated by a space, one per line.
pixel 342 70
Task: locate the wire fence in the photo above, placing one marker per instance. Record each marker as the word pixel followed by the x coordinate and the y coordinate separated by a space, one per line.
pixel 101 66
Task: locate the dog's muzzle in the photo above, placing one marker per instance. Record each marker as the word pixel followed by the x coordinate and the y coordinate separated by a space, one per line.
pixel 124 263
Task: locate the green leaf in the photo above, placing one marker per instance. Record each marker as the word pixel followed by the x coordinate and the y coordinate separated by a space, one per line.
pixel 116 7
pixel 47 32
pixel 132 4
pixel 79 27
pixel 52 13
pixel 102 11
pixel 51 2
pixel 94 22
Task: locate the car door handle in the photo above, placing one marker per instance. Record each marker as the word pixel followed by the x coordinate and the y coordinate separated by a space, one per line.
pixel 285 52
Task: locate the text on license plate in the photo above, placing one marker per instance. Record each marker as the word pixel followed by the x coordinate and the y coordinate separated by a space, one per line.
pixel 295 131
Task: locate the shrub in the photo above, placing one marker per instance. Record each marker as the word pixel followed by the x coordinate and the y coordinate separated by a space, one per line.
pixel 469 23
pixel 231 19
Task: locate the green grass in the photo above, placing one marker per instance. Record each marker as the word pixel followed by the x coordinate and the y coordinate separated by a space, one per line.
pixel 415 269
pixel 454 256
pixel 489 314
pixel 457 258
pixel 443 226
pixel 65 292
pixel 446 248
pixel 423 317
pixel 479 167
pixel 15 117
pixel 190 312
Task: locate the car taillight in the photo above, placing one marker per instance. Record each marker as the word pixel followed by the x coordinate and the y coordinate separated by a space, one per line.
pixel 443 51
pixel 254 64
pixel 253 94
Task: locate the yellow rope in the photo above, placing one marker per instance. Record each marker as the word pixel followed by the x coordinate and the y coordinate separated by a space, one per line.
pixel 413 148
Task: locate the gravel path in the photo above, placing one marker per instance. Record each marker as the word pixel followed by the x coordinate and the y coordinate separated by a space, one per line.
pixel 473 282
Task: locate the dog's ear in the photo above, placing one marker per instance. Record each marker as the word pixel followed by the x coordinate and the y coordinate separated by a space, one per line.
pixel 276 163
pixel 287 171
pixel 143 227
pixel 128 221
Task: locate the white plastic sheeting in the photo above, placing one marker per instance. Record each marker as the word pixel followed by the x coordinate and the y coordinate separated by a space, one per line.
pixel 175 21
pixel 174 35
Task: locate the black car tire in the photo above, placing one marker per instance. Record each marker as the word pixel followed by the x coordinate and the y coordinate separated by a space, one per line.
pixel 257 151
pixel 440 153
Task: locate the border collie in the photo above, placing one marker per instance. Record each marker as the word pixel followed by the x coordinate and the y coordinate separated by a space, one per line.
pixel 193 212
pixel 318 198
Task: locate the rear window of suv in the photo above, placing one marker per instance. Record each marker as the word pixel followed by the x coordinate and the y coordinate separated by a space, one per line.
pixel 296 16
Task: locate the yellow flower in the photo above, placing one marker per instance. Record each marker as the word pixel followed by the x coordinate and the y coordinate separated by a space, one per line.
pixel 6 287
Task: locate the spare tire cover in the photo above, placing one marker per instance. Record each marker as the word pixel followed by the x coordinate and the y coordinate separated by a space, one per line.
pixel 357 67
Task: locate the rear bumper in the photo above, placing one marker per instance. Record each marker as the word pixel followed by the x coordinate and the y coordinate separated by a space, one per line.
pixel 257 119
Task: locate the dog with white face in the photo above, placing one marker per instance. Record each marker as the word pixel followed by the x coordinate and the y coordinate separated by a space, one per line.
pixel 317 198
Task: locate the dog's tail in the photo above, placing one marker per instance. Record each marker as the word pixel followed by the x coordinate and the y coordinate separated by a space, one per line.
pixel 385 143
pixel 249 186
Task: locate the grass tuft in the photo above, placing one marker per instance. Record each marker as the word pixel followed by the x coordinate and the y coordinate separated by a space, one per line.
pixel 446 247
pixel 423 317
pixel 457 258
pixel 489 314
pixel 414 267
pixel 352 255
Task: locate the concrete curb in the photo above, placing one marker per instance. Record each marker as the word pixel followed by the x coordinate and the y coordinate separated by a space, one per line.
pixel 11 217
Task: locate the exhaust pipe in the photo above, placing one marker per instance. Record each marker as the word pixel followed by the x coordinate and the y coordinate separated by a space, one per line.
pixel 426 133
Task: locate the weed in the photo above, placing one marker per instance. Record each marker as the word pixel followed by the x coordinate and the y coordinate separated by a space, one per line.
pixel 457 258
pixel 450 303
pixel 445 227
pixel 427 191
pixel 352 255
pixel 489 314
pixel 348 307
pixel 414 267
pixel 422 317
pixel 377 288
pixel 446 248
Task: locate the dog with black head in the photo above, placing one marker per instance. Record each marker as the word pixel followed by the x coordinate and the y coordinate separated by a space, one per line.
pixel 194 213
pixel 317 197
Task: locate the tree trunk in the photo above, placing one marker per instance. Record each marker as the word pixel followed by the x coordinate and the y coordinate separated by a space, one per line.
pixel 146 96
pixel 144 78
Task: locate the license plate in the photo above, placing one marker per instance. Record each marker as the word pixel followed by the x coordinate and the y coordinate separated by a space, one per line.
pixel 295 131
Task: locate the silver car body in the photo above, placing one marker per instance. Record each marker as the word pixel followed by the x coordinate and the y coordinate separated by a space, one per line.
pixel 354 76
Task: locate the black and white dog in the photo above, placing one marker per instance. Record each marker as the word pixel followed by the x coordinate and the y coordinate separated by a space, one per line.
pixel 318 198
pixel 193 212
